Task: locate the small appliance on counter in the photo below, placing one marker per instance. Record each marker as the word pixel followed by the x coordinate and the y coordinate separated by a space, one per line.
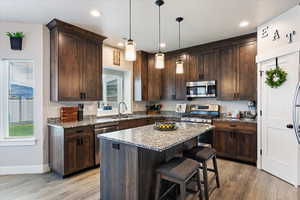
pixel 180 108
pixel 68 114
pixel 80 112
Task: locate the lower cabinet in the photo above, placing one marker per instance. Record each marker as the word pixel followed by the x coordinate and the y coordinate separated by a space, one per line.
pixel 236 140
pixel 71 149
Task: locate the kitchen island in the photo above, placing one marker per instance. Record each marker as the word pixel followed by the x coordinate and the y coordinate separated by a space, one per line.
pixel 129 158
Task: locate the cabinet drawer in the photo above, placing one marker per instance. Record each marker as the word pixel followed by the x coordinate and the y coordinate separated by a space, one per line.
pixel 74 132
pixel 133 123
pixel 245 126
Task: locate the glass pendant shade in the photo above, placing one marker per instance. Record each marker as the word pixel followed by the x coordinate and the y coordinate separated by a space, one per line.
pixel 179 67
pixel 130 51
pixel 159 60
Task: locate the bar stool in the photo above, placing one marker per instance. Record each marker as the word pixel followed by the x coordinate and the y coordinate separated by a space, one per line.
pixel 202 155
pixel 178 171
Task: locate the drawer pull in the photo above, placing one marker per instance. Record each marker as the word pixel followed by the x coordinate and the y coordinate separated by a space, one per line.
pixel 79 131
pixel 231 125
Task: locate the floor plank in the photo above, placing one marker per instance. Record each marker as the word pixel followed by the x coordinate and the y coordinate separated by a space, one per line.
pixel 238 182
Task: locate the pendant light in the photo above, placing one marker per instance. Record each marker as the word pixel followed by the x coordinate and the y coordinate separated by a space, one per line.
pixel 159 57
pixel 130 48
pixel 179 62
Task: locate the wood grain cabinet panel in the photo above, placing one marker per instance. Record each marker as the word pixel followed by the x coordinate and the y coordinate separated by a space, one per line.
pixel 154 80
pixel 71 149
pixel 247 71
pixel 140 76
pixel 92 71
pixel 76 63
pixel 224 143
pixel 181 79
pixel 168 78
pixel 227 74
pixel 236 140
pixel 70 66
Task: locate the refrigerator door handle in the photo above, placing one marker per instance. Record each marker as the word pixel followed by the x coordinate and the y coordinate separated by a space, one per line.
pixel 295 113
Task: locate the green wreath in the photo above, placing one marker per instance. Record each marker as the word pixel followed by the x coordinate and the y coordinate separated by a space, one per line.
pixel 275 77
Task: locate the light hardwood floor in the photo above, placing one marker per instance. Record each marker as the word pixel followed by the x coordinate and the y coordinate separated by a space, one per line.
pixel 238 182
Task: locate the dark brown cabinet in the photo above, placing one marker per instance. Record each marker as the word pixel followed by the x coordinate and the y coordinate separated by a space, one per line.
pixel 202 66
pixel 76 63
pixel 247 71
pixel 154 80
pixel 181 79
pixel 227 74
pixel 168 78
pixel 71 150
pixel 140 76
pixel 236 140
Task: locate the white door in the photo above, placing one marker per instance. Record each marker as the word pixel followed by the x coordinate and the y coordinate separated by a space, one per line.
pixel 279 143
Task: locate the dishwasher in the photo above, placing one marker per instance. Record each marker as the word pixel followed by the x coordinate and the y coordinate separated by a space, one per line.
pixel 101 129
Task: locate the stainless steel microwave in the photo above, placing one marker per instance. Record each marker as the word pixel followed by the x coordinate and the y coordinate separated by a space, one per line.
pixel 201 89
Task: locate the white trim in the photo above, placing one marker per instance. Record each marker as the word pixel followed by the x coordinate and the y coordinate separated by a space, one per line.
pixel 24 169
pixel 18 142
pixel 287 49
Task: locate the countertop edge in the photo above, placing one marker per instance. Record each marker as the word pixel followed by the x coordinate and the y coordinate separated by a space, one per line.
pixel 151 148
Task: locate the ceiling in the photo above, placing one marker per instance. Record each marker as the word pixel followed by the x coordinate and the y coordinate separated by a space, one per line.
pixel 204 20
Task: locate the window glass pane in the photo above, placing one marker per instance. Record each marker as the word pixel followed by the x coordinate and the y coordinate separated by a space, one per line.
pixel 20 99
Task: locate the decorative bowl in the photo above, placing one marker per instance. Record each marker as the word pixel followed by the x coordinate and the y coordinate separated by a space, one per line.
pixel 165 126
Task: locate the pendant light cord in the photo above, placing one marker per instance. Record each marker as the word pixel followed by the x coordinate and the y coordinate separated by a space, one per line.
pixel 159 28
pixel 179 35
pixel 129 19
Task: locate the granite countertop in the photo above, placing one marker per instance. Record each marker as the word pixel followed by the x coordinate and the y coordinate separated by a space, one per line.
pixel 149 138
pixel 243 120
pixel 92 120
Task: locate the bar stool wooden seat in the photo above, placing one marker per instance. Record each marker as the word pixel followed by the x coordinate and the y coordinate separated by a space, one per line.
pixel 178 171
pixel 202 155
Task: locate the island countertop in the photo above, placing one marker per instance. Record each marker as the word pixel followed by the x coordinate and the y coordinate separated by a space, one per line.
pixel 149 138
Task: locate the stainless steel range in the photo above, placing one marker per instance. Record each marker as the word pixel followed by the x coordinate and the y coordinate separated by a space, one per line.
pixel 201 113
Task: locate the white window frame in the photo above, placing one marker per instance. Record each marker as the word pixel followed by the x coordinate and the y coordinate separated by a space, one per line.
pixel 5 139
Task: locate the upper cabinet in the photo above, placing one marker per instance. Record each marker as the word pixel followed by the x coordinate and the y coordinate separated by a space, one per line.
pixel 168 78
pixel 247 71
pixel 76 63
pixel 202 66
pixel 227 74
pixel 140 76
pixel 230 62
pixel 154 80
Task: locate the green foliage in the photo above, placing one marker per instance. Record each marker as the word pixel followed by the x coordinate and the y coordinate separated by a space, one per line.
pixel 275 77
pixel 15 35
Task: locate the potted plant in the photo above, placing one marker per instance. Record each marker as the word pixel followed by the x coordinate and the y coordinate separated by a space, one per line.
pixel 15 40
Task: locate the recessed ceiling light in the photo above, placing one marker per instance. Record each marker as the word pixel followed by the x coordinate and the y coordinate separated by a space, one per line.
pixel 244 23
pixel 163 45
pixel 95 13
pixel 120 44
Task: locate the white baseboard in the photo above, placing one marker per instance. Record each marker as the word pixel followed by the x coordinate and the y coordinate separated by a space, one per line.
pixel 24 169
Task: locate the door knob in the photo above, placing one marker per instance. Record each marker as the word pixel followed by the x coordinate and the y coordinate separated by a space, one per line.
pixel 290 126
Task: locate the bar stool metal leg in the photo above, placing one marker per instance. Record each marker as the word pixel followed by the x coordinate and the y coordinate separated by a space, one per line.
pixel 205 180
pixel 216 171
pixel 157 190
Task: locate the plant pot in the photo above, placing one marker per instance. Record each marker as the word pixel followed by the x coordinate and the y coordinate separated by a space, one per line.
pixel 16 43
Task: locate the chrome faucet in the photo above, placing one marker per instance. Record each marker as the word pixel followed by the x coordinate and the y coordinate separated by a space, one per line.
pixel 119 107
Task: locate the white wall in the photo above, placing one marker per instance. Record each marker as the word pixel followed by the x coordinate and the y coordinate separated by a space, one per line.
pixel 285 23
pixel 20 156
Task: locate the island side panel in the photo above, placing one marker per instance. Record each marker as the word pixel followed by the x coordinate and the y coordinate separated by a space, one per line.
pixel 118 171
